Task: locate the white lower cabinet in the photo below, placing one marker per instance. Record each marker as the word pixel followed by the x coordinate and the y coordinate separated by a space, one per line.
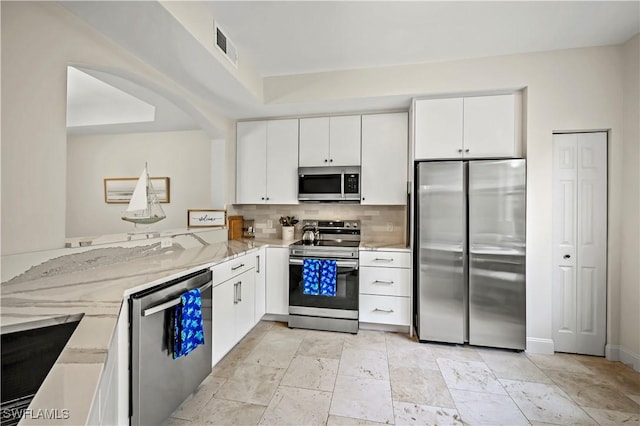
pixel 277 292
pixel 261 289
pixel 385 287
pixel 233 312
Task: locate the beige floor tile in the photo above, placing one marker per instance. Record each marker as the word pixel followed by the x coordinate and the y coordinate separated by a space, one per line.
pixel 274 352
pixel 366 340
pixel 349 421
pixel 414 414
pixel 225 412
pixel 415 357
pixel 613 418
pixel 364 363
pixel 189 409
pixel 293 406
pixel 513 366
pixel 400 341
pixel 622 376
pixel 487 409
pixel 254 384
pixel 322 344
pixel 360 398
pixel 228 364
pixel 421 387
pixel 176 422
pixel 469 375
pixel 545 403
pixel 562 362
pixel 311 373
pixel 589 390
pixel 454 352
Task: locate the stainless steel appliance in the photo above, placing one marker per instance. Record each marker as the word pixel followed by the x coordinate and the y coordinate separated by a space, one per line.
pixel 470 252
pixel 330 184
pixel 159 383
pixel 335 240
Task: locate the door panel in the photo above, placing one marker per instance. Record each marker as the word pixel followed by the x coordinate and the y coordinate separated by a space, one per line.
pixel 441 224
pixel 282 162
pixel 579 242
pixel 250 162
pixel 497 290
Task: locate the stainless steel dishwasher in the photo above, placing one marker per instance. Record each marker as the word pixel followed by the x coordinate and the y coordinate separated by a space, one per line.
pixel 159 383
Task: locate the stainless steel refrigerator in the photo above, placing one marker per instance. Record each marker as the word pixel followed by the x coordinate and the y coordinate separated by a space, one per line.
pixel 470 252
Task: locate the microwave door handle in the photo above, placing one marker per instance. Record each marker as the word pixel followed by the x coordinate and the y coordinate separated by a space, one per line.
pixel 342 185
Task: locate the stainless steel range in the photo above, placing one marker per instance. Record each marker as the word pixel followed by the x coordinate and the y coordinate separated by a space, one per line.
pixel 334 241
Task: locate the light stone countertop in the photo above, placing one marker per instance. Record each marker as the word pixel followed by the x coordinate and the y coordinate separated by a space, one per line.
pixel 45 296
pixel 86 284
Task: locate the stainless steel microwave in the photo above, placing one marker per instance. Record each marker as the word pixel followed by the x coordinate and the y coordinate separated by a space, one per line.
pixel 329 184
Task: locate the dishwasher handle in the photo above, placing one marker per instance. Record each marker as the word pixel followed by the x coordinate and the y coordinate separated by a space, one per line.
pixel 173 302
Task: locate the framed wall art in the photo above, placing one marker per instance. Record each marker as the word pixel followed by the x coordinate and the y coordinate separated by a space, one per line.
pixel 206 218
pixel 120 190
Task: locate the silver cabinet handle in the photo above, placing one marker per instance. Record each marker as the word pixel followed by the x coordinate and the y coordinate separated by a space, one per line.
pixel 383 259
pixel 173 302
pixel 566 256
pixel 238 267
pixel 383 310
pixel 382 282
pixel 460 150
pixel 257 264
pixel 239 291
pixel 235 293
pixel 466 150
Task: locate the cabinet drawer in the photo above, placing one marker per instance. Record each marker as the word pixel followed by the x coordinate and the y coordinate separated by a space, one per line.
pixel 389 259
pixel 385 281
pixel 384 309
pixel 233 267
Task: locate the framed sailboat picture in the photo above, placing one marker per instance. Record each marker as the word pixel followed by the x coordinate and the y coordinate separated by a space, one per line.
pixel 120 190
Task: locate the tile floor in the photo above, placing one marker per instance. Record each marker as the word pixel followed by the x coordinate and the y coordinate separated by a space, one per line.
pixel 280 376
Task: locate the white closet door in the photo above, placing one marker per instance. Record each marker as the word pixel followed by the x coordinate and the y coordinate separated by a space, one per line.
pixel 579 242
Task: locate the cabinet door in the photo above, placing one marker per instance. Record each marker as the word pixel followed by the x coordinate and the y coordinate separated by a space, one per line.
pixel 260 292
pixel 314 142
pixel 489 127
pixel 384 158
pixel 438 128
pixel 282 162
pixel 245 308
pixel 251 150
pixel 224 331
pixel 344 141
pixel 278 280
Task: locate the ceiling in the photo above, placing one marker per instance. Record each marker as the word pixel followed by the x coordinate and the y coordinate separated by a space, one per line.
pixel 284 38
pixel 293 37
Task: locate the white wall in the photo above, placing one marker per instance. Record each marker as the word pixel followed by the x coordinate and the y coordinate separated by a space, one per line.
pixel 184 157
pixel 39 40
pixel 575 89
pixel 630 210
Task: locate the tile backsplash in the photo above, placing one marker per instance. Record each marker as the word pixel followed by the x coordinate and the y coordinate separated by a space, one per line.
pixel 378 222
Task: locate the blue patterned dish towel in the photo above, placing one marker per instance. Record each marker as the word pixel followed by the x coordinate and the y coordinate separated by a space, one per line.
pixel 188 331
pixel 328 272
pixel 311 276
pixel 319 277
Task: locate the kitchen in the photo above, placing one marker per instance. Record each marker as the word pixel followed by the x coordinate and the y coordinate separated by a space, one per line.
pixel 560 96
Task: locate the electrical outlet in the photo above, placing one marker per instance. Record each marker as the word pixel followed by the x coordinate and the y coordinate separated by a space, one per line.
pixel 166 243
pixel 390 227
pixel 269 223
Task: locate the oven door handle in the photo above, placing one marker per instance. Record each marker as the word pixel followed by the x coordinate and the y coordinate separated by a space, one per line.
pixel 340 263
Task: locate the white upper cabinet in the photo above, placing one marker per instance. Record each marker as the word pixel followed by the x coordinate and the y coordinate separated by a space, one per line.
pixel 267 162
pixel 438 128
pixel 330 141
pixel 384 158
pixel 473 127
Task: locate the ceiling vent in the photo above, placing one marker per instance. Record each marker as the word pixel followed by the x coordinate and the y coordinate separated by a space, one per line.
pixel 224 44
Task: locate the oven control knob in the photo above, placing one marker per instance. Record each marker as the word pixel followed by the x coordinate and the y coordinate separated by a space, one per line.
pixel 346 225
pixel 355 224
